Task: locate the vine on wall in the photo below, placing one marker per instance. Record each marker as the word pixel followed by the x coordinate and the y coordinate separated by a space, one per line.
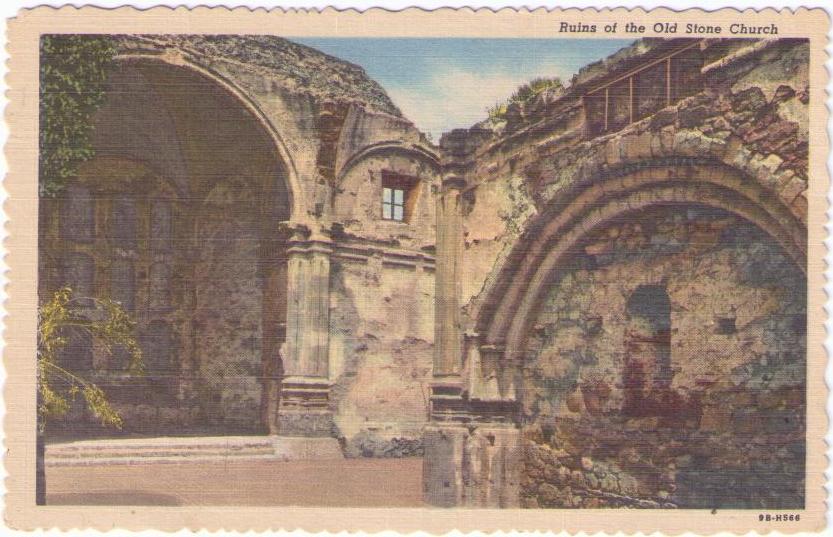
pixel 73 71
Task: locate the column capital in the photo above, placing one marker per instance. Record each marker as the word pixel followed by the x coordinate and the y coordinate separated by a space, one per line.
pixel 301 239
pixel 306 248
pixel 492 349
pixel 455 182
pixel 294 231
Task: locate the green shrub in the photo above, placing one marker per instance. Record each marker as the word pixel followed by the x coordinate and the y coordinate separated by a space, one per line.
pixel 523 95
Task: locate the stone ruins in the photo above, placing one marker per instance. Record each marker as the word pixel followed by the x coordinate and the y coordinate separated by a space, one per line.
pixel 596 300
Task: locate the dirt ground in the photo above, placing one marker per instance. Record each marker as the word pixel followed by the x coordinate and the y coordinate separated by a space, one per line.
pixel 345 483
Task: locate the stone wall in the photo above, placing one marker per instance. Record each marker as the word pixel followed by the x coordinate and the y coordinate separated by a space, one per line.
pixel 380 352
pixel 751 115
pixel 634 289
pixel 221 163
pixel 703 408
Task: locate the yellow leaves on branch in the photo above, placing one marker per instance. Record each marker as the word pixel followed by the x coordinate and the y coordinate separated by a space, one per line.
pixel 108 324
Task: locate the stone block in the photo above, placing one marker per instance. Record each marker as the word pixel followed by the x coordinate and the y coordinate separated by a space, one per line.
pixel 663 118
pixel 476 468
pixel 613 155
pixel 800 206
pixel 305 423
pixel 792 189
pixel 668 139
pixel 694 116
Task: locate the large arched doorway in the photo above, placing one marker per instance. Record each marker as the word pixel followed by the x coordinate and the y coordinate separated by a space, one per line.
pixel 651 331
pixel 177 217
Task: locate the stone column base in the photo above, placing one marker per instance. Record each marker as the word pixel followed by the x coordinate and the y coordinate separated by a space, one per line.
pixel 304 408
pixel 472 465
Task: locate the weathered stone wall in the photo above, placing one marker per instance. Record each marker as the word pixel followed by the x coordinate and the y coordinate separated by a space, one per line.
pixel 381 288
pixel 358 199
pixel 751 115
pixel 635 281
pixel 712 415
pixel 380 354
pixel 211 153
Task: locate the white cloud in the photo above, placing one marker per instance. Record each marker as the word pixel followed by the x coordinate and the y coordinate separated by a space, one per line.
pixel 455 98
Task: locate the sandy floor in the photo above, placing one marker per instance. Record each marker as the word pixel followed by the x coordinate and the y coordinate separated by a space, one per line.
pixel 347 483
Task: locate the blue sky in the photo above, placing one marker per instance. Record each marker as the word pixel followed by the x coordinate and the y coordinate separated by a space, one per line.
pixel 442 84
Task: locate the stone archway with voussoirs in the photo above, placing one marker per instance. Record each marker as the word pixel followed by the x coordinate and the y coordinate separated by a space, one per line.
pixel 497 350
pixel 194 156
pixel 173 59
pixel 611 196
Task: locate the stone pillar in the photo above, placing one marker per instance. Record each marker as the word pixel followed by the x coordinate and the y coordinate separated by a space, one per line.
pixel 472 465
pixel 472 445
pixel 273 323
pixel 448 335
pixel 304 406
pixel 447 386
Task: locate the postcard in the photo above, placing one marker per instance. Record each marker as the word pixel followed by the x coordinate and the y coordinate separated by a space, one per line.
pixel 416 270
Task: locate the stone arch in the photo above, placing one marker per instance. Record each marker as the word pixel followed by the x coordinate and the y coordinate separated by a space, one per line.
pixel 651 141
pixel 383 148
pixel 264 179
pixel 504 316
pixel 294 190
pixel 629 345
pixel 215 143
pixel 357 200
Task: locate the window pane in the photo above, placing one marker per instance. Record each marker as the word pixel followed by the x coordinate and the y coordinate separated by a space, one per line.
pixel 386 196
pixel 398 196
pixel 79 275
pixel 123 223
pixel 123 283
pixel 386 214
pixel 160 225
pixel 160 286
pixel 397 213
pixel 78 214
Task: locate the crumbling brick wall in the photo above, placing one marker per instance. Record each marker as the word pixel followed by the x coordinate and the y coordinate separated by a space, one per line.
pixel 723 426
